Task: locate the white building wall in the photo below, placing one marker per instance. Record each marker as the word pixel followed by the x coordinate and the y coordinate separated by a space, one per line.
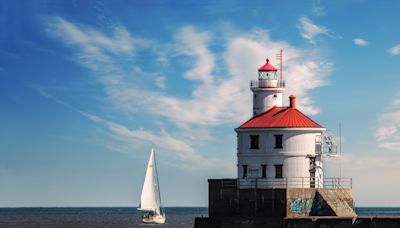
pixel 298 145
pixel 266 98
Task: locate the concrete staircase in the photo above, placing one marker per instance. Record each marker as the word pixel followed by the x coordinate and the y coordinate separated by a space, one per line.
pixel 340 200
pixel 303 202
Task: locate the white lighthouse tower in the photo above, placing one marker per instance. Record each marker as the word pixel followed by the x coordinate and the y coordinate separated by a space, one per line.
pixel 267 90
pixel 279 147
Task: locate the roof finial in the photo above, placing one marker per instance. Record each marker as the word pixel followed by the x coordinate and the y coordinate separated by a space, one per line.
pixel 267 60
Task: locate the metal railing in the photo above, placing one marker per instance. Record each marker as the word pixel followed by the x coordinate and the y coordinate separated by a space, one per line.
pixel 338 182
pixel 325 144
pixel 340 198
pixel 229 183
pixel 295 182
pixel 267 83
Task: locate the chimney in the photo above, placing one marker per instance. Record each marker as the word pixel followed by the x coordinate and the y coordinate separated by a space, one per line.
pixel 292 100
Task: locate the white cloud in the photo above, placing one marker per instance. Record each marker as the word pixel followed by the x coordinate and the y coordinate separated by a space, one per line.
pixel 194 43
pixel 395 50
pixel 360 42
pixel 383 133
pixel 181 152
pixel 166 143
pixel 246 53
pixel 220 80
pixel 216 99
pixel 309 30
pixel 317 8
pixel 396 102
pixel 388 132
pixel 371 173
pixel 96 46
pixel 175 147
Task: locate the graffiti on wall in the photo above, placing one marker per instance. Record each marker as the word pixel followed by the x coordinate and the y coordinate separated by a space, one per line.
pixel 305 207
pixel 301 206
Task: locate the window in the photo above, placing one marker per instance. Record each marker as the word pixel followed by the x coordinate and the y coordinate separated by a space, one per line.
pixel 278 171
pixel 253 141
pixel 244 171
pixel 263 171
pixel 278 141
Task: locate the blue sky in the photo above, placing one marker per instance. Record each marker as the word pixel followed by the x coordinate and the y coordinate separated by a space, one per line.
pixel 88 87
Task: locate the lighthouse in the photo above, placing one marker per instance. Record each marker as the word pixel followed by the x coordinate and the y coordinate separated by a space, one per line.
pixel 280 156
pixel 279 146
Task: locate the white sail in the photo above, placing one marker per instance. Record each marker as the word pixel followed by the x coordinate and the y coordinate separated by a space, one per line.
pixel 150 198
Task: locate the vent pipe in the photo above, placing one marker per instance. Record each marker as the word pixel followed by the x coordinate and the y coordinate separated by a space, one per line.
pixel 292 100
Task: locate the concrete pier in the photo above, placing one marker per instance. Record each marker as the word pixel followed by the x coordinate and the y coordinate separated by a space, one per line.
pixel 230 206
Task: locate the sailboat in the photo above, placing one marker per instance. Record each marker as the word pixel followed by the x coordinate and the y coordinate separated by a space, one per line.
pixel 150 200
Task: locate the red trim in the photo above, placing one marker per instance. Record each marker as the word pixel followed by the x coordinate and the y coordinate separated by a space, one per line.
pixel 267 67
pixel 281 117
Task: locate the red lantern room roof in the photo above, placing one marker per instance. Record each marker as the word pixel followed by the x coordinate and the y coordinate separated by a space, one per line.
pixel 267 67
pixel 281 117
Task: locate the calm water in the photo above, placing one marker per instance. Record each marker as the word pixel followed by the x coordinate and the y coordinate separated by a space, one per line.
pixel 94 217
pixel 120 216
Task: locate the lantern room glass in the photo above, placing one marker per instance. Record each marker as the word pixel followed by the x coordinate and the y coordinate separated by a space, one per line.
pixel 271 75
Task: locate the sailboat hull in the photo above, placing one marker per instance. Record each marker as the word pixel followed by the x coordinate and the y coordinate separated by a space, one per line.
pixel 158 219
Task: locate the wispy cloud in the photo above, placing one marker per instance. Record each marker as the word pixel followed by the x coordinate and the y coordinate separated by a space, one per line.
pixel 140 139
pixel 317 8
pixel 194 43
pixel 367 169
pixel 96 46
pixel 395 50
pixel 388 131
pixel 302 71
pixel 309 30
pixel 217 98
pixel 175 150
pixel 360 42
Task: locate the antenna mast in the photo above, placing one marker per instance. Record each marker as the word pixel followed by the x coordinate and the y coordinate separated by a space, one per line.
pixel 280 57
pixel 340 150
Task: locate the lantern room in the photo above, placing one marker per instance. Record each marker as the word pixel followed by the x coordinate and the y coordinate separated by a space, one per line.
pixel 267 71
pixel 267 75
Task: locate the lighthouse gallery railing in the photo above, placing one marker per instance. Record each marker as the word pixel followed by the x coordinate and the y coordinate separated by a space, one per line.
pixel 267 83
pixel 295 182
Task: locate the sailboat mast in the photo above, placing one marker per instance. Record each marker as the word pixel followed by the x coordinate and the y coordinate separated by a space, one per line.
pixel 158 185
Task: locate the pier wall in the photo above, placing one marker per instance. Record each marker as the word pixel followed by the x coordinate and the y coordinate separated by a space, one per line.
pixel 226 200
pixel 362 222
pixel 230 206
pixel 309 222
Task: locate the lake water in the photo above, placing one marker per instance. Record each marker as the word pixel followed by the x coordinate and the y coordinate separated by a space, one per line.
pixel 120 216
pixel 94 217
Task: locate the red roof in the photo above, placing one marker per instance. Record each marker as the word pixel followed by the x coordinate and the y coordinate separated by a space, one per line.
pixel 281 117
pixel 267 67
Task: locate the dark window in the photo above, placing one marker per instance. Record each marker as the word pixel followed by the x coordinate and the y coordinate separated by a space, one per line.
pixel 253 141
pixel 244 171
pixel 278 171
pixel 263 171
pixel 278 141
